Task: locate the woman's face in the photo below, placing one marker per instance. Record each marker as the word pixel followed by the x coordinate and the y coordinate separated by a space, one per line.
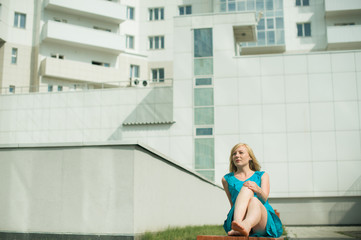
pixel 241 156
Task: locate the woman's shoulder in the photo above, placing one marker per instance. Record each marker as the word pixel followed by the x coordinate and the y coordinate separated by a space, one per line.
pixel 228 175
pixel 260 173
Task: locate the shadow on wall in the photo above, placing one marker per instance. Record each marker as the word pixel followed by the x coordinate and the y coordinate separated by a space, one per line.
pixel 348 210
pixel 154 112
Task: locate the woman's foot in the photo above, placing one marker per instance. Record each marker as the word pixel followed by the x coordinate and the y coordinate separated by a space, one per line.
pixel 242 228
pixel 234 233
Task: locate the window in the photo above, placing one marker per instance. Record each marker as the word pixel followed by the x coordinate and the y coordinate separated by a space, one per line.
pixel 130 42
pixel 11 89
pixel 14 55
pixel 204 131
pixel 303 29
pixel 156 14
pixel 101 64
pixel 134 71
pixel 185 10
pixel 158 75
pixel 156 42
pixel 60 88
pixel 130 13
pixel 344 24
pixel 203 81
pixel 57 55
pixel 19 20
pixel 50 88
pixel 302 3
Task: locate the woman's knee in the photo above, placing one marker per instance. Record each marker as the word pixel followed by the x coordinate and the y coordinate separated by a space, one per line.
pixel 246 190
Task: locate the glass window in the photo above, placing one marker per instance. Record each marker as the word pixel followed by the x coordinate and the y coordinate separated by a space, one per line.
pixel 156 42
pixel 158 75
pixel 203 42
pixel 204 131
pixel 270 23
pixel 130 13
pixel 203 96
pixel 270 37
pixel 231 5
pixel 307 29
pixel 19 20
pixel 189 9
pixel 279 4
pixel 261 24
pixel 261 38
pixel 302 3
pixel 185 10
pixel 280 37
pixel 250 5
pixel 299 30
pixel 259 5
pixel 60 88
pixel 204 153
pixel 156 14
pixel 303 29
pixel 14 55
pixel 134 71
pixel 50 88
pixel 203 115
pixel 203 81
pixel 130 42
pixel 269 4
pixel 279 23
pixel 203 66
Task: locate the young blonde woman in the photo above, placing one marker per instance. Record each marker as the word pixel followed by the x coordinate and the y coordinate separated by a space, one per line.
pixel 247 189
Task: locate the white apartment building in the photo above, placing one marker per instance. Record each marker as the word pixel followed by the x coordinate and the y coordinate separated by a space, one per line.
pixel 190 79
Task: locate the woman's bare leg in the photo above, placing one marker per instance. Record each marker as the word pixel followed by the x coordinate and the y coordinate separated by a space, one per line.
pixel 249 213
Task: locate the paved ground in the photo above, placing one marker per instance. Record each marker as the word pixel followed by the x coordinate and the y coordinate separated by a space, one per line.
pixel 323 232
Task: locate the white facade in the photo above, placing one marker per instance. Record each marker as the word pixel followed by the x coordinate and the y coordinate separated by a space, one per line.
pixel 293 95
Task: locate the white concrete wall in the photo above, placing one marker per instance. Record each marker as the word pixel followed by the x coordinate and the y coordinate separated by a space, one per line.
pixel 104 189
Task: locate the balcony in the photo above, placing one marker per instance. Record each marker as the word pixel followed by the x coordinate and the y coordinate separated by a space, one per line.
pixel 344 37
pixel 63 33
pixel 79 72
pixel 344 7
pixel 100 10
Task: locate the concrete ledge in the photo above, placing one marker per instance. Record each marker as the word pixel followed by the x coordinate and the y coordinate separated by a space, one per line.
pixel 48 236
pixel 235 238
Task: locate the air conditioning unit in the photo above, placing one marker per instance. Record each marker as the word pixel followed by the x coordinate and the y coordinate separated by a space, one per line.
pixel 139 83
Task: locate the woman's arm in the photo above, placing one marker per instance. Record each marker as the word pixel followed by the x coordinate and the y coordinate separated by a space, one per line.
pixel 225 186
pixel 263 191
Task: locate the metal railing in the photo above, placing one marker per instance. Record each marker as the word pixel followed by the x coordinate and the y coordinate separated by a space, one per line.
pixel 131 83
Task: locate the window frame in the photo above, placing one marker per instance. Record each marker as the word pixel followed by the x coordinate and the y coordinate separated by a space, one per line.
pixel 18 20
pixel 156 14
pixel 129 44
pixel 158 79
pixel 100 64
pixel 130 13
pixel 302 3
pixel 132 73
pixel 184 8
pixel 303 24
pixel 152 42
pixel 14 55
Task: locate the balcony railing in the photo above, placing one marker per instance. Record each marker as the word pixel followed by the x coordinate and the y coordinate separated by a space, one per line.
pixel 344 37
pixel 101 10
pixel 83 37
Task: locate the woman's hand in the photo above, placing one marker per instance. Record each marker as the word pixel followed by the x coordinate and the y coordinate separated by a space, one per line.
pixel 252 186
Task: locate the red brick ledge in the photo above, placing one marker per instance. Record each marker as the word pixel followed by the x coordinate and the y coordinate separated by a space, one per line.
pixel 236 238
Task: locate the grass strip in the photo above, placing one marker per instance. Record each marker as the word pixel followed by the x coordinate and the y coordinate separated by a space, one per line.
pixel 184 233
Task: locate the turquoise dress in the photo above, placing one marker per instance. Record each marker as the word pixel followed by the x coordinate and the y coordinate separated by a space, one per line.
pixel 274 225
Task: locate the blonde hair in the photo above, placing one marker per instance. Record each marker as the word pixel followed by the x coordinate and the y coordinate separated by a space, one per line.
pixel 253 163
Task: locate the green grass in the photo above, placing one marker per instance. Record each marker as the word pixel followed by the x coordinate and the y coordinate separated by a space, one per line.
pixel 185 233
pixel 188 233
